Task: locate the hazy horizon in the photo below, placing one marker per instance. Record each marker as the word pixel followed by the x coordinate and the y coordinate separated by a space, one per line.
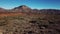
pixel 38 4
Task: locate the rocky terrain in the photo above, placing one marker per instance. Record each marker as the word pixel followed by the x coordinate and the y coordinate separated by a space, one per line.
pixel 24 20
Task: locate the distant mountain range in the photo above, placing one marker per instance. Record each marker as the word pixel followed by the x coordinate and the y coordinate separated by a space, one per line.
pixel 25 9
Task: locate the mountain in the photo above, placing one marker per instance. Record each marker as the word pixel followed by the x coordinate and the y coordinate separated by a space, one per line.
pixel 3 10
pixel 50 11
pixel 22 8
pixel 25 9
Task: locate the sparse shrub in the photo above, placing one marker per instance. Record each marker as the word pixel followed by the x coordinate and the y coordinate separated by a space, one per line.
pixel 30 32
pixel 3 21
pixel 50 22
pixel 32 21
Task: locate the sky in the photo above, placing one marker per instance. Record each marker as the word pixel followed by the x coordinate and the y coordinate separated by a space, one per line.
pixel 34 4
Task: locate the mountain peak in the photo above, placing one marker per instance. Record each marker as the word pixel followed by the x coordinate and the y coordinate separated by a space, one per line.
pixel 22 7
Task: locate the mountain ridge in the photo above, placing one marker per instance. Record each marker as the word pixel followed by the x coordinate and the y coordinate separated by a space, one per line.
pixel 24 8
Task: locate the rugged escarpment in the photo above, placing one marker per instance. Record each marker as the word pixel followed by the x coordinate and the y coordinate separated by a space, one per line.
pixel 24 20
